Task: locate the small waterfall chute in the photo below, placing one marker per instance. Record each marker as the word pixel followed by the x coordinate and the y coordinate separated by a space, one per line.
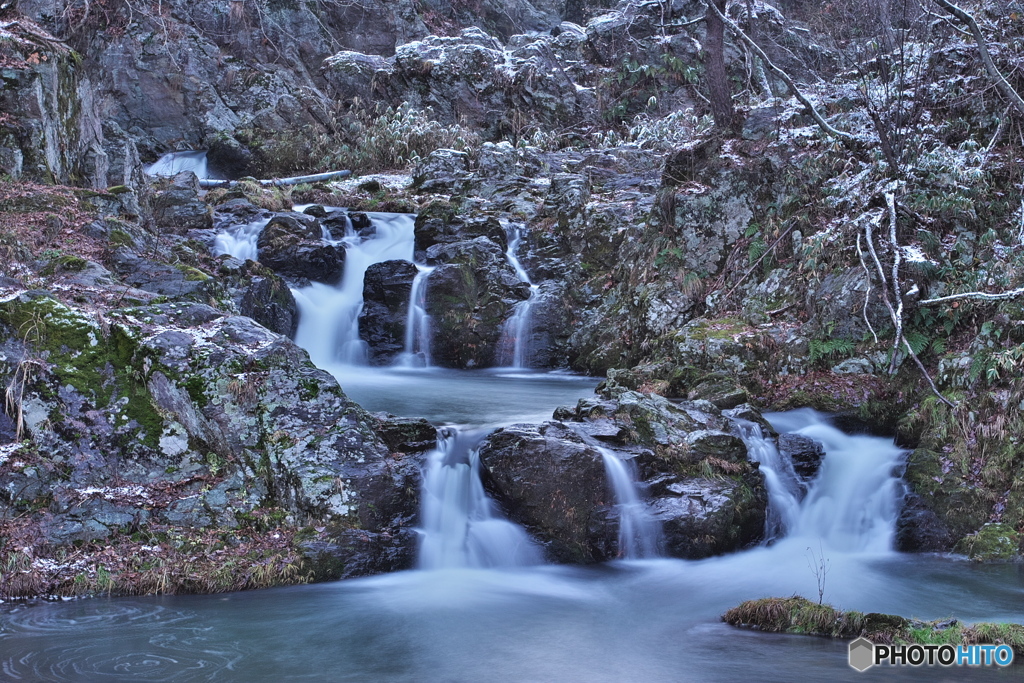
pixel 174 163
pixel 461 527
pixel 784 491
pixel 639 533
pixel 514 346
pixel 329 314
pixel 239 240
pixel 417 323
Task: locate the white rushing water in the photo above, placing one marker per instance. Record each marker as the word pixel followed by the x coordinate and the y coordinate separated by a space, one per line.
pixel 780 479
pixel 853 503
pixel 460 527
pixel 239 240
pixel 417 323
pixel 175 162
pixel 514 347
pixel 639 534
pixel 329 314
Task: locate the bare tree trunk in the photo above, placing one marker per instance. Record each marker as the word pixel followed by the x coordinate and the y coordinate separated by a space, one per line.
pixel 888 35
pixel 718 81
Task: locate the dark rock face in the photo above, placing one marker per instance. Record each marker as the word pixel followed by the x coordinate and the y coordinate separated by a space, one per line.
pixel 269 301
pixel 382 322
pixel 158 278
pixel 470 294
pixel 701 488
pixel 805 453
pixel 292 245
pixel 178 208
pixel 920 530
pixel 554 484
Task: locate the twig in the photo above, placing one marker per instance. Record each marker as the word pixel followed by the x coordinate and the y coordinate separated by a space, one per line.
pixel 896 321
pixel 897 255
pixel 757 262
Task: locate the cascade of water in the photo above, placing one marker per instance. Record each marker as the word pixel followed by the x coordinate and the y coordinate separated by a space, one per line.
pixel 329 314
pixel 639 535
pixel 239 240
pixel 417 323
pixel 460 525
pixel 853 502
pixel 514 346
pixel 779 476
pixel 176 162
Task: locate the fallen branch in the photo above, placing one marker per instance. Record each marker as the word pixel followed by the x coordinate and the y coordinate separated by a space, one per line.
pixel 986 58
pixel 867 294
pixel 983 296
pixel 818 118
pixel 279 182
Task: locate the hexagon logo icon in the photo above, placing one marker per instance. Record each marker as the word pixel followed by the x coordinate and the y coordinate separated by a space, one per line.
pixel 862 654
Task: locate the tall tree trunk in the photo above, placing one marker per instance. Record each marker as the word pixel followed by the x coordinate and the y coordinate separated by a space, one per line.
pixel 718 81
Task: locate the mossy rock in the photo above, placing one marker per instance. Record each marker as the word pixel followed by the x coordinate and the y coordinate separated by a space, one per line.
pixel 65 263
pixel 991 543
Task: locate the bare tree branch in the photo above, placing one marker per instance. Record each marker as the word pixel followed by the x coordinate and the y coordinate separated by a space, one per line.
pixel 986 58
pixel 983 296
pixel 818 118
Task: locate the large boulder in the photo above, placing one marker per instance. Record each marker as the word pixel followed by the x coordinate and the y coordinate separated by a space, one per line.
pixel 292 244
pixel 471 292
pixel 701 488
pixel 549 480
pixel 387 287
pixel 179 416
pixel 177 207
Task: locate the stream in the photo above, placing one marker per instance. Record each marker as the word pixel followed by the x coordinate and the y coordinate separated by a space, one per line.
pixel 483 606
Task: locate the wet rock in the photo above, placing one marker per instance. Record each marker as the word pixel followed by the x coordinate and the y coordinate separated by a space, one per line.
pixel 443 171
pixel 386 291
pixel 920 530
pixel 348 553
pixel 292 245
pixel 268 300
pixel 701 517
pixel 178 208
pixel 547 479
pixel 804 452
pixel 469 296
pixel 406 434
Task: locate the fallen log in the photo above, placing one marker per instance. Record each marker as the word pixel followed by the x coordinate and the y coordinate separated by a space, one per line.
pixel 279 182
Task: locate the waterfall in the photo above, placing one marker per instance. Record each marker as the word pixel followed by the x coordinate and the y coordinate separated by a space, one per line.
pixel 329 314
pixel 639 535
pixel 239 240
pixel 514 347
pixel 853 502
pixel 461 528
pixel 779 476
pixel 417 323
pixel 176 162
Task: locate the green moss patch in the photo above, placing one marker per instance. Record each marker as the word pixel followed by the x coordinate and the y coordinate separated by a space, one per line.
pixel 801 616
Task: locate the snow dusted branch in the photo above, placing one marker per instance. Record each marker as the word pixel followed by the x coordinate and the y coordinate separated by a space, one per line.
pixel 818 118
pixel 897 317
pixel 986 58
pixel 983 296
